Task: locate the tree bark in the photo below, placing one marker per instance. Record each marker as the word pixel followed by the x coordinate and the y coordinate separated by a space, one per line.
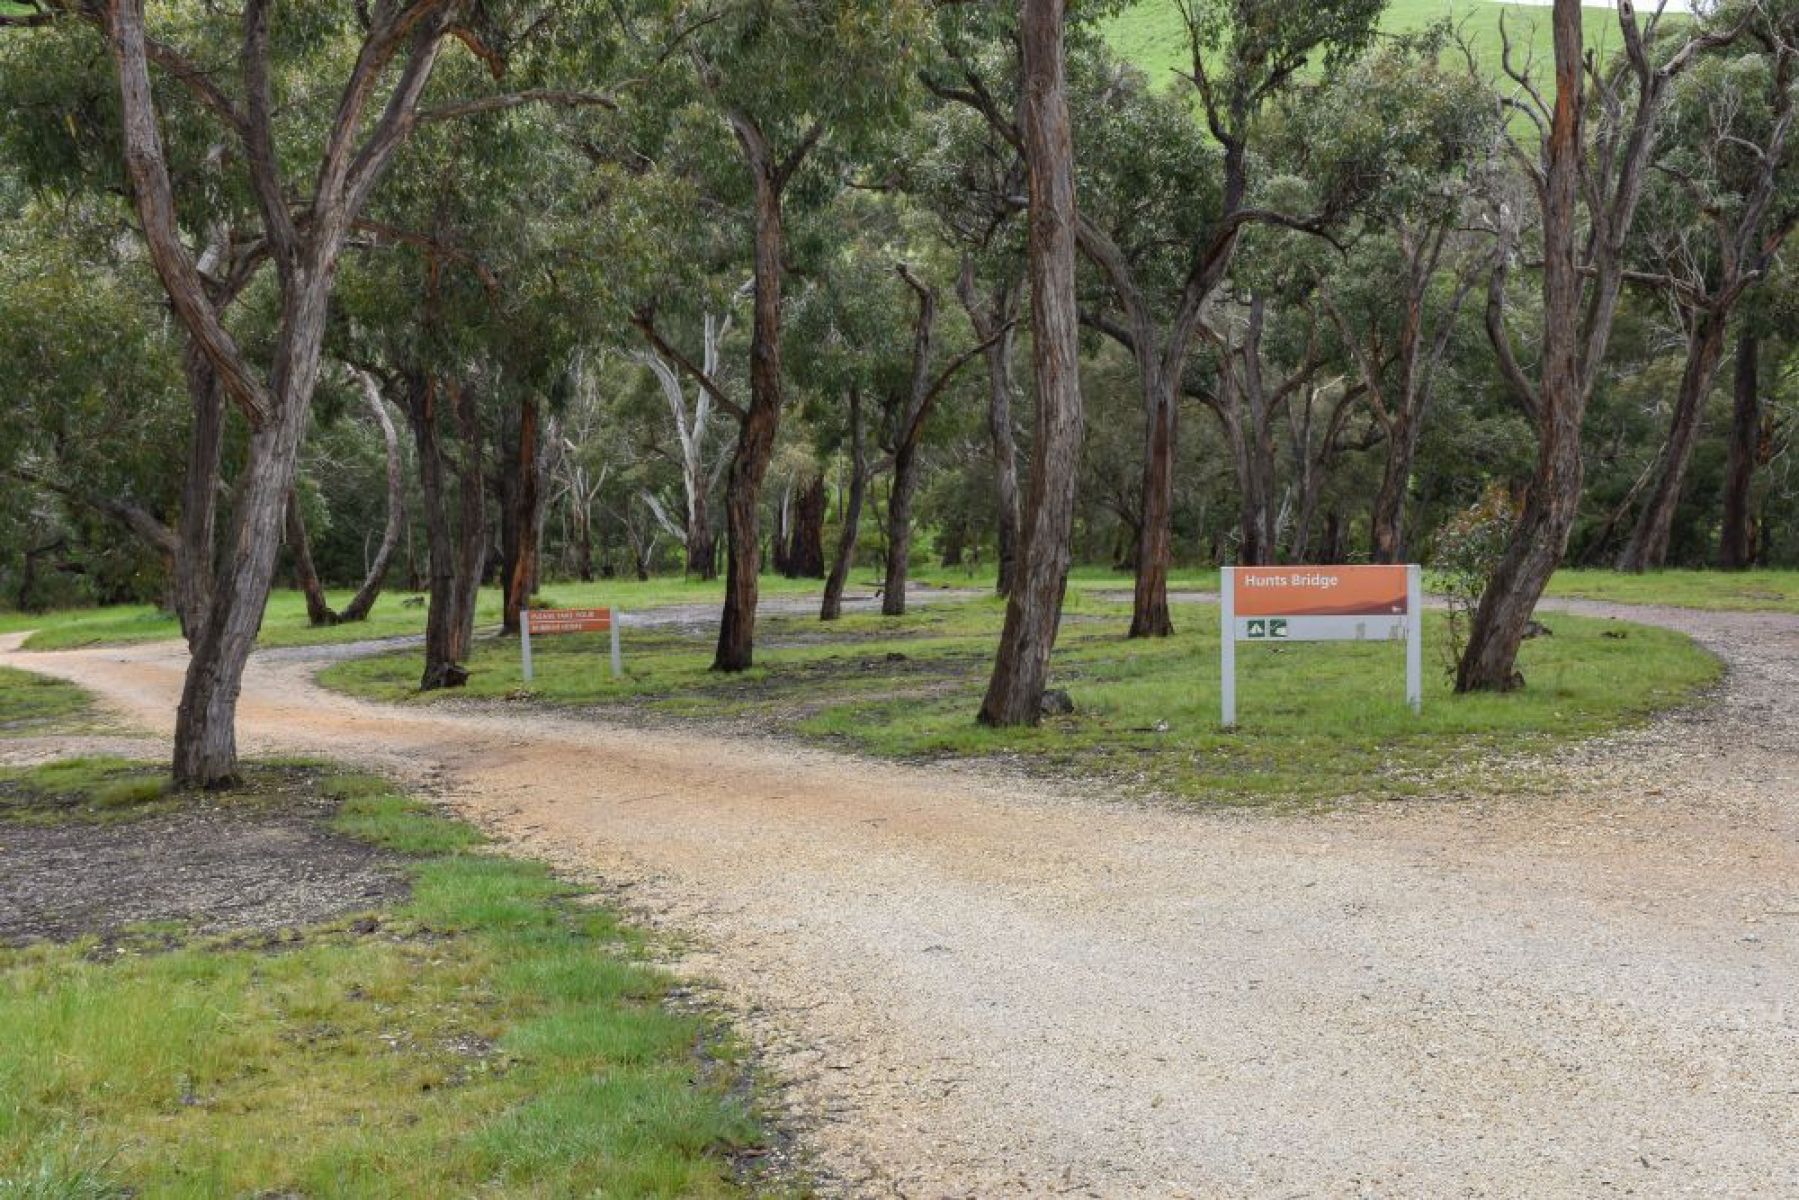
pixel 306 576
pixel 197 528
pixel 471 527
pixel 453 557
pixel 1034 609
pixel 806 535
pixel 1387 534
pixel 1647 549
pixel 1489 661
pixel 1576 266
pixel 276 405
pixel 992 321
pixel 899 529
pixel 364 600
pixel 1155 531
pixel 524 502
pixel 1736 548
pixel 762 419
pixel 832 608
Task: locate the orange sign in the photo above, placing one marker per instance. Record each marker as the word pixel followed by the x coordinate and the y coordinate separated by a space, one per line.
pixel 570 620
pixel 1363 591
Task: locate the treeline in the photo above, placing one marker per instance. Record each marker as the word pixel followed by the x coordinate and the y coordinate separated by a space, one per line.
pixel 429 293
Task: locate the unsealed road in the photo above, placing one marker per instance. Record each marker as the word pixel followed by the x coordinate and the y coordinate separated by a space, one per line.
pixel 977 988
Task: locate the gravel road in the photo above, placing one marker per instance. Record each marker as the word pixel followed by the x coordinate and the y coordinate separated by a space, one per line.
pixel 972 987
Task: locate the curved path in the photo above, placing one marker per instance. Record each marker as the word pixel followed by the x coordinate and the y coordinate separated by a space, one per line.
pixel 974 988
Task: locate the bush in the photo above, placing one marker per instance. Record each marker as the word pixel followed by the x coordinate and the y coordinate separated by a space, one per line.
pixel 1466 554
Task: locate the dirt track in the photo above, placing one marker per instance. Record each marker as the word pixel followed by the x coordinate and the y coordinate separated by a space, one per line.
pixel 975 988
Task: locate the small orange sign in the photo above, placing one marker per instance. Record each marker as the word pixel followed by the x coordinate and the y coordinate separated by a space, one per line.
pixel 570 620
pixel 1360 591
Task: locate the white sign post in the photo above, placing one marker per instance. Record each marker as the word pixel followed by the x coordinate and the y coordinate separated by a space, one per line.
pixel 1320 604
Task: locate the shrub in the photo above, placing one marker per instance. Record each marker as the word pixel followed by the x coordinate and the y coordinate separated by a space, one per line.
pixel 1465 556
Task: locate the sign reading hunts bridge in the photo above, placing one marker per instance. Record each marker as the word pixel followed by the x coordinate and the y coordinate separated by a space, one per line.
pixel 1321 604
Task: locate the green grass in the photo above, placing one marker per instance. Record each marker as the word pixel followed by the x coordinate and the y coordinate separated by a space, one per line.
pixel 493 1037
pixel 284 623
pixel 1318 722
pixel 87 789
pixel 1152 34
pixel 1718 591
pixel 33 705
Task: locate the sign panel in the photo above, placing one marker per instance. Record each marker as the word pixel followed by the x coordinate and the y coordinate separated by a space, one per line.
pixel 544 621
pixel 1321 591
pixel 1321 604
pixel 569 620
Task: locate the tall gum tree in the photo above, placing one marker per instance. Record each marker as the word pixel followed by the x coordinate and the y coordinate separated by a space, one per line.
pixel 1034 609
pixel 1168 207
pixel 1724 203
pixel 1602 164
pixel 385 55
pixel 802 87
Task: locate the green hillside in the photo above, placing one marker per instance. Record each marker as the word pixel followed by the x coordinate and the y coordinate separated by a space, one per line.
pixel 1151 33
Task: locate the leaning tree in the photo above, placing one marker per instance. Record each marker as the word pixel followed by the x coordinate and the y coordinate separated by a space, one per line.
pixel 314 110
pixel 1595 143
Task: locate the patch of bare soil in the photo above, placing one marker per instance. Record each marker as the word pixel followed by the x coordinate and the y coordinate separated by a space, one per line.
pixel 211 865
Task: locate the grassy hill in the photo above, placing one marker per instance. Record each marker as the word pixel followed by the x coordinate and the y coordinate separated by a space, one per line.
pixel 1152 35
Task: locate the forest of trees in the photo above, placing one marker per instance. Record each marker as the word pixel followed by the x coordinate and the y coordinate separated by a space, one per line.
pixel 434 294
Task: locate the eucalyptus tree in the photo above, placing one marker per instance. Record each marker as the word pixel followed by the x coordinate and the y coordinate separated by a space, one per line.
pixel 970 178
pixel 1167 202
pixel 328 94
pixel 692 426
pixel 1751 441
pixel 910 402
pixel 1727 199
pixel 802 87
pixel 1429 135
pixel 76 333
pixel 1264 350
pixel 1046 137
pixel 1600 166
pixel 318 608
pixel 63 140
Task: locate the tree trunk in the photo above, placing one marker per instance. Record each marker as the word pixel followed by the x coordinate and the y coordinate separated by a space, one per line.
pixel 832 608
pixel 454 555
pixel 525 500
pixel 701 542
pixel 1647 549
pixel 1155 533
pixel 196 531
pixel 1034 609
pixel 1387 535
pixel 364 600
pixel 472 527
pixel 1489 661
pixel 899 529
pixel 583 522
pixel 991 321
pixel 205 753
pixel 1737 543
pixel 306 576
pixel 756 432
pixel 806 541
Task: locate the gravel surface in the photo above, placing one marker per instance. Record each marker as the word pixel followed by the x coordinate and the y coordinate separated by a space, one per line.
pixel 971 987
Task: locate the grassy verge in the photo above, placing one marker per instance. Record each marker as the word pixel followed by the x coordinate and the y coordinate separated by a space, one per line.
pixel 396 614
pixel 488 1035
pixel 1319 721
pixel 31 705
pixel 1718 591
